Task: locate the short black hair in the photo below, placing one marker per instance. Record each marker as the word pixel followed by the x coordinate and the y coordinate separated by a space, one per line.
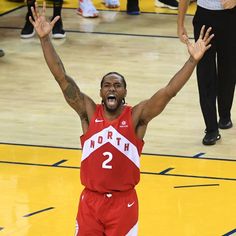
pixel 116 73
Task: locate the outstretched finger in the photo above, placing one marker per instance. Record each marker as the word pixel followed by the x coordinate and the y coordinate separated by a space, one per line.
pixel 206 36
pixel 208 46
pixel 202 32
pixel 31 21
pixel 209 39
pixel 52 23
pixel 36 9
pixel 44 9
pixel 33 13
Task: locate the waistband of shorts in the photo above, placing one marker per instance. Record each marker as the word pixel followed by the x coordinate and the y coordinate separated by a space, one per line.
pixel 112 193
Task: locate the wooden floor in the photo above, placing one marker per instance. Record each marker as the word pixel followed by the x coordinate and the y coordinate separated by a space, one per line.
pixel 177 196
pixel 186 189
pixel 144 48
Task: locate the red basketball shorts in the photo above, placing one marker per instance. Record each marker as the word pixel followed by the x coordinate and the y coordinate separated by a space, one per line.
pixel 114 214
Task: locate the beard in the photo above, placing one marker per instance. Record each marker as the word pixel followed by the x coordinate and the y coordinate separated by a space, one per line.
pixel 113 109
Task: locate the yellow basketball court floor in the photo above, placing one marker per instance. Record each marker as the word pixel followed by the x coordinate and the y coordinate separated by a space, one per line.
pixel 181 196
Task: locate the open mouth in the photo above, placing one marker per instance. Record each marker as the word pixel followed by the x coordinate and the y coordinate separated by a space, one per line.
pixel 111 100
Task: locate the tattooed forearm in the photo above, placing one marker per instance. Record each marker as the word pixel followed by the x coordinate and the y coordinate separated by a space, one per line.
pixel 60 64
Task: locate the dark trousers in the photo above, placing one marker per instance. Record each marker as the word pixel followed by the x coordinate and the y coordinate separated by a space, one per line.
pixel 216 71
pixel 57 6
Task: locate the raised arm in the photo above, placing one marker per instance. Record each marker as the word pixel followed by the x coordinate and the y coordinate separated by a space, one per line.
pixel 182 9
pixel 80 102
pixel 147 110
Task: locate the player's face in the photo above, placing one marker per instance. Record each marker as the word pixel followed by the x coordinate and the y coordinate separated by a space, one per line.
pixel 112 92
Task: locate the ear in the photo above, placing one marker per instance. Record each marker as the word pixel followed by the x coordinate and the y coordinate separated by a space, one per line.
pixel 100 94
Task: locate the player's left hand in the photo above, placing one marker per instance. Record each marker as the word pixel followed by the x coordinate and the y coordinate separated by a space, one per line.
pixel 197 49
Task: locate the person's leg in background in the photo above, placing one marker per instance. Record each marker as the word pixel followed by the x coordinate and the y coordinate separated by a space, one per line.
pixel 28 29
pixel 133 7
pixel 226 68
pixel 57 31
pixel 207 78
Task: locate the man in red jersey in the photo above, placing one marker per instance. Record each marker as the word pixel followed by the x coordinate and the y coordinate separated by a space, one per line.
pixel 112 137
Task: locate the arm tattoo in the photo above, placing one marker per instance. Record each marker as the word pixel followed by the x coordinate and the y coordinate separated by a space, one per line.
pixel 60 64
pixel 73 95
pixel 70 92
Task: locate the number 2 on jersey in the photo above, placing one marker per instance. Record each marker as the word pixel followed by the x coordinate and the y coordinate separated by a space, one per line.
pixel 105 164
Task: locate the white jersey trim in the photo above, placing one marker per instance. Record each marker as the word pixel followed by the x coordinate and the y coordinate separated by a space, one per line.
pixel 112 136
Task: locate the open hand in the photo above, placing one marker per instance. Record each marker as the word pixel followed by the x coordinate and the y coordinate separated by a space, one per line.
pixel 41 25
pixel 197 49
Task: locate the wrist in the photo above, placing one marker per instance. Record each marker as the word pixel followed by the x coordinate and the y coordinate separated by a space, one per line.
pixel 193 60
pixel 44 38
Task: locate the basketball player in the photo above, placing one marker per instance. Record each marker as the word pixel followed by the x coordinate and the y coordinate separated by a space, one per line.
pixel 112 138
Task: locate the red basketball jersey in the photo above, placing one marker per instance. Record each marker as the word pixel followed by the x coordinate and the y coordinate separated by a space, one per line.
pixel 111 153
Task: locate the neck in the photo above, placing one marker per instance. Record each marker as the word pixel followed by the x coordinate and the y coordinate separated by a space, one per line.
pixel 113 114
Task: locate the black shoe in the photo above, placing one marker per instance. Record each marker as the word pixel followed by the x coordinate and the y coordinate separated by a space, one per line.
pixel 1 53
pixel 171 4
pixel 211 137
pixel 225 124
pixel 57 31
pixel 132 7
pixel 28 30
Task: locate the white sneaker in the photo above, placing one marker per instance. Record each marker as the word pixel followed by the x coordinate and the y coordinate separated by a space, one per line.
pixel 87 9
pixel 112 3
pixel 171 4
